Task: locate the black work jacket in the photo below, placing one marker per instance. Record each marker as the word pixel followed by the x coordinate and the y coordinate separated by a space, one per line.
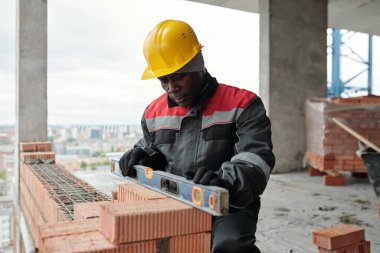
pixel 227 130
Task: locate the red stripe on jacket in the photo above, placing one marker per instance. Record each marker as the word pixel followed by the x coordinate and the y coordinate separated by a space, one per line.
pixel 159 107
pixel 225 98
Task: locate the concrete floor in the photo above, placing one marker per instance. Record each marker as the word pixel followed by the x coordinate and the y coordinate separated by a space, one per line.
pixel 294 205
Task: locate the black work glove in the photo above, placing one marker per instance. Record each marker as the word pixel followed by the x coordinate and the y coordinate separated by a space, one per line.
pixel 205 176
pixel 137 156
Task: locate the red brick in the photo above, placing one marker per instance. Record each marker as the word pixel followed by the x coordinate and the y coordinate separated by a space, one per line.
pixel 334 180
pixel 338 237
pixel 370 99
pixel 28 147
pixel 37 155
pixel 43 146
pixel 68 227
pixel 361 247
pixel 88 210
pixel 95 242
pixel 193 243
pixel 62 229
pixel 315 172
pixel 135 192
pixel 328 165
pixel 146 220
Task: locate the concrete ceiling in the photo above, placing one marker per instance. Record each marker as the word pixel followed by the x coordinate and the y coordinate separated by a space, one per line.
pixel 355 15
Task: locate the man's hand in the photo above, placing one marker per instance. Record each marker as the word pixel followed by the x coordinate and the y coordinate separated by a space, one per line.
pixel 205 176
pixel 130 158
pixel 137 156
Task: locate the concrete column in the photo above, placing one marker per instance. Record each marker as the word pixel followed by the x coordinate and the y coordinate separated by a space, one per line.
pixel 31 80
pixel 292 68
pixel 31 85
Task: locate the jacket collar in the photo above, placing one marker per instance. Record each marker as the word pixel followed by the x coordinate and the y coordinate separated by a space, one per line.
pixel 211 86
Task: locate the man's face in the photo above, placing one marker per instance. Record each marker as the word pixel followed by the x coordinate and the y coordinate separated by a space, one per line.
pixel 183 88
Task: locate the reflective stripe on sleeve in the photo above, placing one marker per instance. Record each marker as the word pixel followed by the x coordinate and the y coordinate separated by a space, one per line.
pixel 254 159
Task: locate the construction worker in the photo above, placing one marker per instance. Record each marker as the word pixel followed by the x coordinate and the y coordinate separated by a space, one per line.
pixel 213 133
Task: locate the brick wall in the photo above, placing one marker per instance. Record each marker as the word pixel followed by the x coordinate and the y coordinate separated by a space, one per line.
pixel 140 220
pixel 331 148
pixel 41 202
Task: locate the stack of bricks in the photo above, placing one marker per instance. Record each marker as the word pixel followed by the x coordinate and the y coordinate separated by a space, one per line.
pixel 137 220
pixel 330 149
pixel 141 220
pixel 41 203
pixel 37 204
pixel 341 239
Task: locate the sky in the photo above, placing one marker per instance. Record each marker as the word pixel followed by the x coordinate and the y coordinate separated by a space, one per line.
pixel 95 58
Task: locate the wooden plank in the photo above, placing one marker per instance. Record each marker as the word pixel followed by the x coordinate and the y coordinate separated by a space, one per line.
pixel 358 136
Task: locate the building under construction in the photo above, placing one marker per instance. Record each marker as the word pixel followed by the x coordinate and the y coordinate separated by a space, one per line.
pixel 301 212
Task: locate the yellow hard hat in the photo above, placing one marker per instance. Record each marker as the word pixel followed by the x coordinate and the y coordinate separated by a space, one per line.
pixel 169 47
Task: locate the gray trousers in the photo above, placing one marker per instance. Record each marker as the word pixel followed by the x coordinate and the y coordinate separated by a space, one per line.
pixel 235 232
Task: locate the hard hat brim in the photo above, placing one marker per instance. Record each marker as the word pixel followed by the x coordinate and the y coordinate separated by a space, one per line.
pixel 147 74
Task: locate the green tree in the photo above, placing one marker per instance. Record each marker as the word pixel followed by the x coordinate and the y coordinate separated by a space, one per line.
pixel 96 154
pixel 83 165
pixel 3 174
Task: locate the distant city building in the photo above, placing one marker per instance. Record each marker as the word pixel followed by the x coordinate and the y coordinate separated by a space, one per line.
pixel 6 226
pixel 2 187
pixel 74 132
pixel 95 134
pixel 80 151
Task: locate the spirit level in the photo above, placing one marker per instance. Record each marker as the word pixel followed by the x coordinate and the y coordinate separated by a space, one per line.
pixel 211 199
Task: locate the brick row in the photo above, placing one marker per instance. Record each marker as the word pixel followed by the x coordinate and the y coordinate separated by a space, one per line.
pixel 371 99
pixel 44 201
pixel 62 229
pixel 200 242
pixel 35 146
pixel 44 156
pixel 146 220
pixel 135 192
pixel 95 242
pixel 84 236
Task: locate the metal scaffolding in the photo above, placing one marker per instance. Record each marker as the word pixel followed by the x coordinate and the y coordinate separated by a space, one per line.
pixel 65 188
pixel 338 87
